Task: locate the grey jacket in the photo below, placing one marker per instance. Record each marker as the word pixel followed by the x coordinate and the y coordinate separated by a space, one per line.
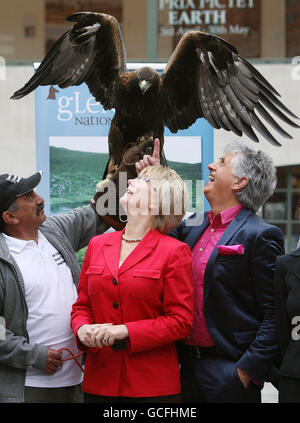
pixel 67 233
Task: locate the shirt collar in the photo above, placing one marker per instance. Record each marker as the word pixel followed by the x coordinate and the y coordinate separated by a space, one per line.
pixel 225 216
pixel 16 245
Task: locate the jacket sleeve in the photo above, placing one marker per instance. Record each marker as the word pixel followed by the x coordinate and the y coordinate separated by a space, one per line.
pixel 177 317
pixel 177 233
pixel 79 225
pixel 258 358
pixel 281 294
pixel 15 351
pixel 185 227
pixel 82 313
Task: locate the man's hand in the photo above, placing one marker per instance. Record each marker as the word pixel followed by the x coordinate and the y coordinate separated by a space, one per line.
pixel 148 160
pixel 53 362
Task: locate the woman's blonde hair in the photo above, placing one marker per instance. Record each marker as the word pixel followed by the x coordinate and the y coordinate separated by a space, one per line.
pixel 171 197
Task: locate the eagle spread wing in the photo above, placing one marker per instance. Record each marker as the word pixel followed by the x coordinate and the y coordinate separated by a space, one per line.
pixel 92 51
pixel 206 77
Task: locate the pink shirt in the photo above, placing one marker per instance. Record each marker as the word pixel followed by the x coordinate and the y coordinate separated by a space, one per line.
pixel 201 252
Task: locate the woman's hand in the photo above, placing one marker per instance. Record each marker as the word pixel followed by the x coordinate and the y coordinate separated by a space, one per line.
pixel 87 334
pixel 148 160
pixel 107 335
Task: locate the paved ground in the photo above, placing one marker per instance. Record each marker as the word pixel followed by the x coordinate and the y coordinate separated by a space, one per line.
pixel 269 393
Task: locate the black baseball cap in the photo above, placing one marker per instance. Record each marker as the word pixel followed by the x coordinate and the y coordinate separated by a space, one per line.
pixel 12 186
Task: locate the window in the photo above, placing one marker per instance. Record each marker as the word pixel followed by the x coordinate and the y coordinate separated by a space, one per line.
pixel 57 10
pixel 283 207
pixel 238 21
pixel 292 27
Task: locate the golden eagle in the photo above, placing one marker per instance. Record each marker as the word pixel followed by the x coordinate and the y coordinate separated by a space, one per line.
pixel 205 77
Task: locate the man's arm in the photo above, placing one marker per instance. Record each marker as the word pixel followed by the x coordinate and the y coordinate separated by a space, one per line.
pixel 16 351
pixel 281 294
pixel 258 359
pixel 79 225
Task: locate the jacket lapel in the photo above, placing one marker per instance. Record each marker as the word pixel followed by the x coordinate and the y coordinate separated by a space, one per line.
pixel 196 232
pixel 234 226
pixel 225 239
pixel 111 252
pixel 4 251
pixel 141 251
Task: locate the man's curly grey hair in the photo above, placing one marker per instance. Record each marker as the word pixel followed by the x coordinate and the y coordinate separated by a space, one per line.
pixel 259 168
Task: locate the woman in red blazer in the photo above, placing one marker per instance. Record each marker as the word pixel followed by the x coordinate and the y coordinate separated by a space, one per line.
pixel 135 297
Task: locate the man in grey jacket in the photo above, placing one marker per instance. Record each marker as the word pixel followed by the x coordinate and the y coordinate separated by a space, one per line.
pixel 39 273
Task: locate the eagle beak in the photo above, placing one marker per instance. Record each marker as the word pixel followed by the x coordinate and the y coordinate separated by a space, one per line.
pixel 144 85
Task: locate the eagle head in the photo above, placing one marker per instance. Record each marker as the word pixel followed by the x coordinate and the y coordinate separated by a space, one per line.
pixel 146 76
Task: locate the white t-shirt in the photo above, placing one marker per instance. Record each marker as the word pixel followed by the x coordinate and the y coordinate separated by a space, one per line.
pixel 50 294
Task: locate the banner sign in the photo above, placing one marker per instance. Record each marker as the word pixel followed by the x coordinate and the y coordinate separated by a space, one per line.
pixel 235 20
pixel 72 147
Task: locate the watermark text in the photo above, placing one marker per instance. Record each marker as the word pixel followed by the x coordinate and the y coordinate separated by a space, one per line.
pixel 2 328
pixel 2 69
pixel 164 199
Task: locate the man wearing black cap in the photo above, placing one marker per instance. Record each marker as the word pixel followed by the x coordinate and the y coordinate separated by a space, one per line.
pixel 13 187
pixel 38 277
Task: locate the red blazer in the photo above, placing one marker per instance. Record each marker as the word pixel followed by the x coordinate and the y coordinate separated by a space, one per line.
pixel 152 293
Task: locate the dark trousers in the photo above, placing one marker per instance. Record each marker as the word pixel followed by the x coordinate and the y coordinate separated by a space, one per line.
pixel 289 390
pixel 69 394
pixel 213 380
pixel 90 398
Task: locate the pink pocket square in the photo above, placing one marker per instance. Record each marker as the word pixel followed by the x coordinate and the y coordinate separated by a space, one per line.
pixel 230 250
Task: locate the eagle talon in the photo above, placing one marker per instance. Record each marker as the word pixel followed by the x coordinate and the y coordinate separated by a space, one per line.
pixel 140 140
pixel 112 169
